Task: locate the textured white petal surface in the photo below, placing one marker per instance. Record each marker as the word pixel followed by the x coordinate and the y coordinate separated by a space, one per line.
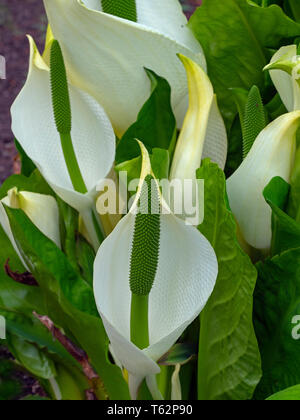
pixel 272 155
pixel 106 56
pixel 92 135
pixel 165 16
pixel 216 143
pixel 282 80
pixel 185 279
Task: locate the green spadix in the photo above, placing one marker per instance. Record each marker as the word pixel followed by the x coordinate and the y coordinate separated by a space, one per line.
pixel 254 121
pixel 62 114
pixel 144 259
pixel 125 9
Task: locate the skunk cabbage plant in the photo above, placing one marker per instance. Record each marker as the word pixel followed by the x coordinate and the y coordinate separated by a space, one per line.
pixel 162 261
pixel 272 155
pixel 44 133
pixel 285 73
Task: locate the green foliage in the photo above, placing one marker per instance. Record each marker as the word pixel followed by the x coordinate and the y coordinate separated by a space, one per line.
pixel 235 35
pixel 229 360
pixel 10 387
pixel 286 232
pixel 68 299
pixel 155 125
pixel 294 200
pixel 289 394
pixel 27 166
pixel 277 302
pixel 125 9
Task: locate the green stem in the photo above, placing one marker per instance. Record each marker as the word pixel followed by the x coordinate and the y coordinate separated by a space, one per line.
pixel 72 164
pixel 139 328
pixel 93 227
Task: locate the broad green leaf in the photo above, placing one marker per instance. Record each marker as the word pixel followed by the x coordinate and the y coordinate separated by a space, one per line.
pixel 64 288
pixel 69 228
pixel 294 7
pixel 289 394
pixel 277 303
pixel 85 257
pixel 285 231
pixel 32 358
pixel 294 200
pixel 160 163
pixel 229 361
pixel 234 35
pixel 27 166
pixel 34 183
pixel 10 386
pixel 155 125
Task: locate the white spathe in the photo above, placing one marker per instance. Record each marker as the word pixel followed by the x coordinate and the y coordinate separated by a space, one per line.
pixel 286 84
pixel 41 209
pixel 185 279
pixel 272 154
pixel 203 133
pixel 106 55
pixel 92 135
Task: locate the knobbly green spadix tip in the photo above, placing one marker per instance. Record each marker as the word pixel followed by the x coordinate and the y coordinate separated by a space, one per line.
pixel 254 119
pixel 144 260
pixel 146 238
pixel 62 114
pixel 125 9
pixel 60 90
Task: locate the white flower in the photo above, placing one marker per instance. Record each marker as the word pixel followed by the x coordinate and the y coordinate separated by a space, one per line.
pixel 285 74
pixel 185 278
pixel 106 55
pixel 41 209
pixel 203 133
pixel 273 154
pixel 92 135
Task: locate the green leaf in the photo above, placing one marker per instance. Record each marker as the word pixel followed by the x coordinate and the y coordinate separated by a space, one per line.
pixel 294 201
pixel 180 353
pixel 294 7
pixel 289 394
pixel 229 360
pixel 10 386
pixel 277 302
pixel 85 257
pixel 34 183
pixel 66 291
pixel 69 228
pixel 27 166
pixel 234 35
pixel 160 163
pixel 286 232
pixel 155 125
pixel 32 358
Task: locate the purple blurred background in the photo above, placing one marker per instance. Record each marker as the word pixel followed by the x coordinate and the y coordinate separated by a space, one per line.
pixel 18 18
